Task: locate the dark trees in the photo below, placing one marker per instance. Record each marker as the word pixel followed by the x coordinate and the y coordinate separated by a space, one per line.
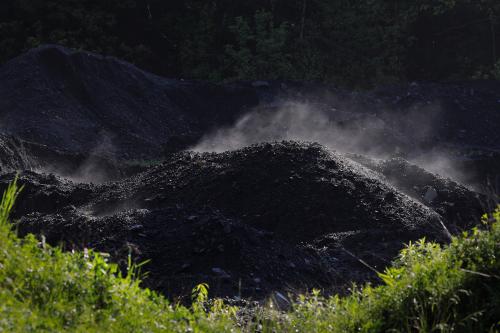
pixel 358 43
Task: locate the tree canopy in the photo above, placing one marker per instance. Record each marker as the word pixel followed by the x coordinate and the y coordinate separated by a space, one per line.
pixel 355 43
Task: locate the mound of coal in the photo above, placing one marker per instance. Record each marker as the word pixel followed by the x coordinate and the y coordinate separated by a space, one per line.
pixel 274 216
pixel 187 247
pixel 460 113
pixel 81 102
pixel 453 201
pixel 299 191
pixel 85 103
pixel 17 154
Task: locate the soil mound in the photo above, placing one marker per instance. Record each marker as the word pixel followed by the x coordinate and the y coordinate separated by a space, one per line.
pixel 451 200
pixel 296 190
pixel 82 102
pixel 17 154
pixel 187 247
pixel 275 216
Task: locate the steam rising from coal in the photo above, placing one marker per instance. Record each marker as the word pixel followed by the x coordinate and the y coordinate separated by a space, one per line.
pixel 91 170
pixel 343 131
pixel 294 121
pixel 95 168
pixel 410 134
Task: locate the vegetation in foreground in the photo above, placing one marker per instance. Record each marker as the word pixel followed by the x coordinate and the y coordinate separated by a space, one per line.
pixel 429 288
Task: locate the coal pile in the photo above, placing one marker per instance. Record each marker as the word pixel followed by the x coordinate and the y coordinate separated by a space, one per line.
pixel 103 151
pixel 465 114
pixel 17 154
pixel 284 216
pixel 82 102
pixel 187 247
pixel 296 190
pixel 451 200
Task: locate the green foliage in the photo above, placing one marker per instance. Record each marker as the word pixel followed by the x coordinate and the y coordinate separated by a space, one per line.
pixel 43 289
pixel 354 43
pixel 261 51
pixel 199 293
pixel 196 48
pixel 430 288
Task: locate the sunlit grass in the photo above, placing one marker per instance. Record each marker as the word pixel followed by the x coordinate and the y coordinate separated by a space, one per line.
pixel 43 289
pixel 428 289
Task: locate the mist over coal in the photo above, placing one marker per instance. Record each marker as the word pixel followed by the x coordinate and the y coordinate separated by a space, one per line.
pixel 91 169
pixel 291 121
pixel 409 135
pixel 339 130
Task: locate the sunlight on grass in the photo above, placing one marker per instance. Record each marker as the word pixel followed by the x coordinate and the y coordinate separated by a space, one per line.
pixel 429 288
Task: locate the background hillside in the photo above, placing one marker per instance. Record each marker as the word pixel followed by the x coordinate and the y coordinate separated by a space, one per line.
pixel 354 43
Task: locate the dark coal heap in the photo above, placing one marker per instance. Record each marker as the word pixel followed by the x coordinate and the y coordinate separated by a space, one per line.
pixel 100 149
pixel 282 216
pixel 82 102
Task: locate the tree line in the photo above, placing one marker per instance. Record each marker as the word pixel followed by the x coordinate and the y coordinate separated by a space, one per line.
pixel 354 43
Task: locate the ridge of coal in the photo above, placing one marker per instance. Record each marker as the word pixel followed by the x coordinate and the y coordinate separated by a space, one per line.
pixel 302 217
pixel 17 154
pixel 79 101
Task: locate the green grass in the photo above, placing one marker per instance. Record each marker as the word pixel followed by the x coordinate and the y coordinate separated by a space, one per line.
pixel 43 289
pixel 428 289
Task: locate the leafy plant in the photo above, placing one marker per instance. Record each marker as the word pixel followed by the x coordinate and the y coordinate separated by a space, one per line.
pixel 429 288
pixel 43 289
pixel 199 293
